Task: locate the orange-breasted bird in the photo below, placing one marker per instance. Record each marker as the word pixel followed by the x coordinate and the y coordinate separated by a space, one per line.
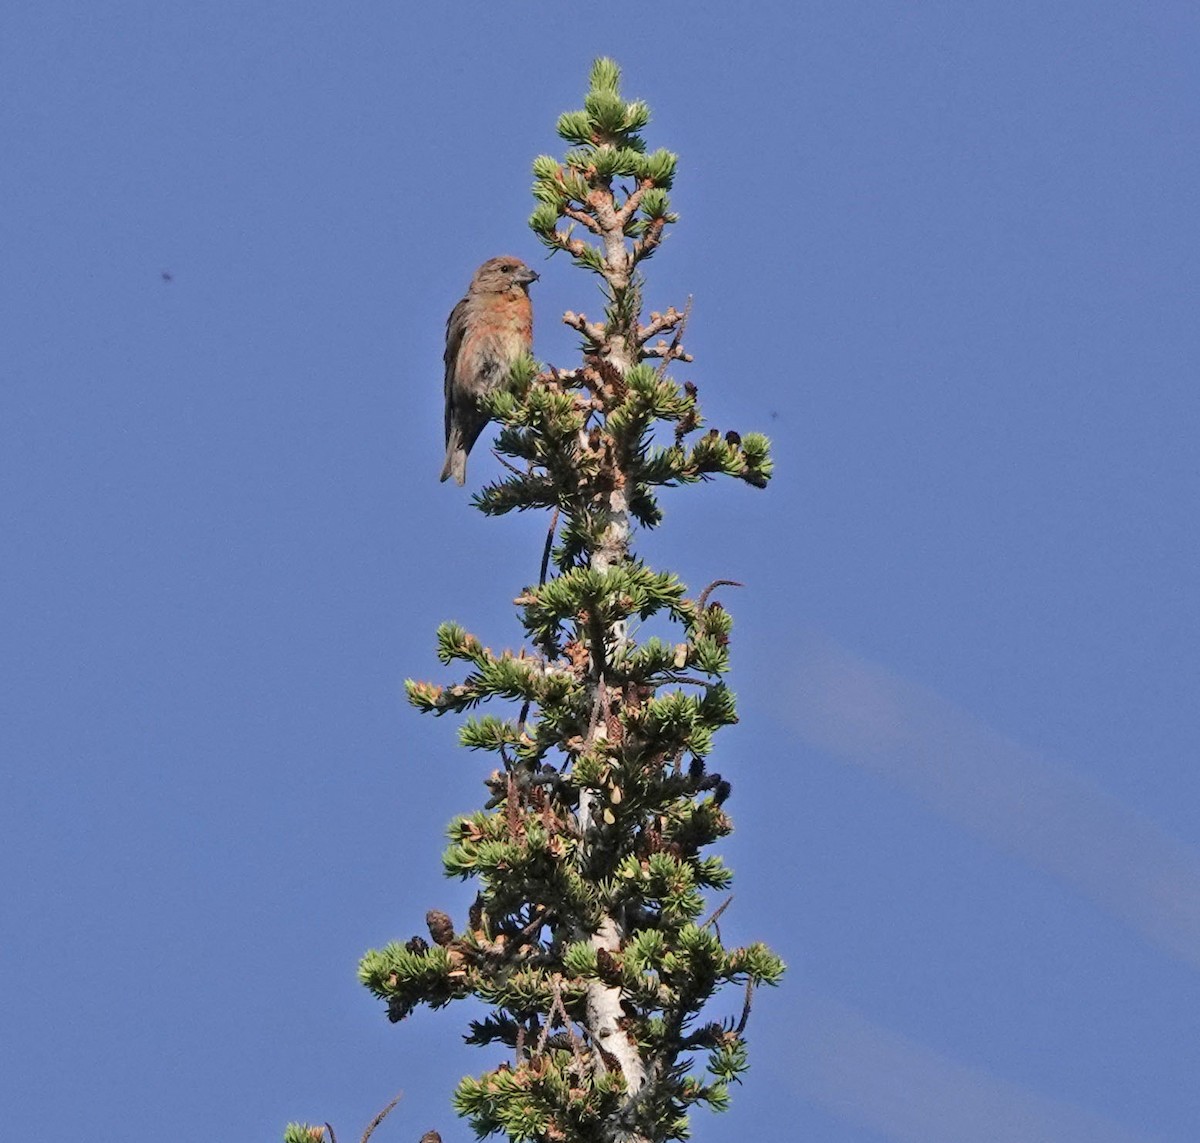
pixel 487 331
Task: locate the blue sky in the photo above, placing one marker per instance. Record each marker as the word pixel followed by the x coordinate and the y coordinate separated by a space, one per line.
pixel 946 255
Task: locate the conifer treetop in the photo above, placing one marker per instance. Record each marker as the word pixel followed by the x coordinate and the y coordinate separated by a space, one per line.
pixel 593 938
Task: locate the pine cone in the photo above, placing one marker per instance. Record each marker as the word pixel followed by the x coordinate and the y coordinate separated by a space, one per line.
pixel 441 928
pixel 417 945
pixel 609 967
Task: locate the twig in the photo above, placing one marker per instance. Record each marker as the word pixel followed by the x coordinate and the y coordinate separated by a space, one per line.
pixel 659 323
pixel 541 583
pixel 598 649
pixel 719 910
pixel 380 1118
pixel 332 1136
pixel 633 201
pixel 711 587
pixel 601 697
pixel 576 1044
pixel 651 237
pixel 680 326
pixel 557 1006
pixel 741 1027
pixel 583 218
pixel 532 927
pixel 688 680
pixel 665 351
pixel 563 378
pixel 592 330
pixel 511 809
pixel 545 1035
pixel 511 468
pixel 547 549
pixel 573 246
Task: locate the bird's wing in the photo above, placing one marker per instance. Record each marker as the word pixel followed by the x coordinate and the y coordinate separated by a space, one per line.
pixel 456 327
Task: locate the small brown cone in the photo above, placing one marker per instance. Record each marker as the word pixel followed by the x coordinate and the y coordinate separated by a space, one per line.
pixel 441 928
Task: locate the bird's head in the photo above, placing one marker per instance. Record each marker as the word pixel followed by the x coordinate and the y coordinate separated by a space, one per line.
pixel 499 275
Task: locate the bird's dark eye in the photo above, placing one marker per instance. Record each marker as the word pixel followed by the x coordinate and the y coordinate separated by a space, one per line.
pixel 509 269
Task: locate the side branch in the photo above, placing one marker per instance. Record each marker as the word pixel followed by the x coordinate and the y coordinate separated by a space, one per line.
pixel 573 246
pixel 659 323
pixel 649 241
pixel 667 352
pixel 583 218
pixel 633 201
pixel 703 597
pixel 675 349
pixel 378 1119
pixel 592 330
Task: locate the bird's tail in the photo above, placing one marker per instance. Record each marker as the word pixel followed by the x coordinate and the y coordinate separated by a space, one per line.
pixel 456 461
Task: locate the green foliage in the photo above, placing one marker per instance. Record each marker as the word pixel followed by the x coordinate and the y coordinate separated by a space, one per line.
pixel 588 854
pixel 608 145
pixel 304 1133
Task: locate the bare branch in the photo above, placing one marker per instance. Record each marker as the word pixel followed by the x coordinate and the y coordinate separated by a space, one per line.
pixel 687 680
pixel 665 351
pixel 583 218
pixel 633 201
pixel 674 348
pixel 563 378
pixel 592 330
pixel 741 1027
pixel 717 912
pixel 547 549
pixel 511 467
pixel 541 581
pixel 700 602
pixel 380 1118
pixel 659 323
pixel 575 246
pixel 650 240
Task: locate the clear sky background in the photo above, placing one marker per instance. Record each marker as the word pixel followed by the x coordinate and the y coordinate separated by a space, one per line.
pixel 945 254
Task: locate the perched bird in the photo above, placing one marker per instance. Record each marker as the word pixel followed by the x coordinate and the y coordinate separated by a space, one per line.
pixel 431 1137
pixel 487 331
